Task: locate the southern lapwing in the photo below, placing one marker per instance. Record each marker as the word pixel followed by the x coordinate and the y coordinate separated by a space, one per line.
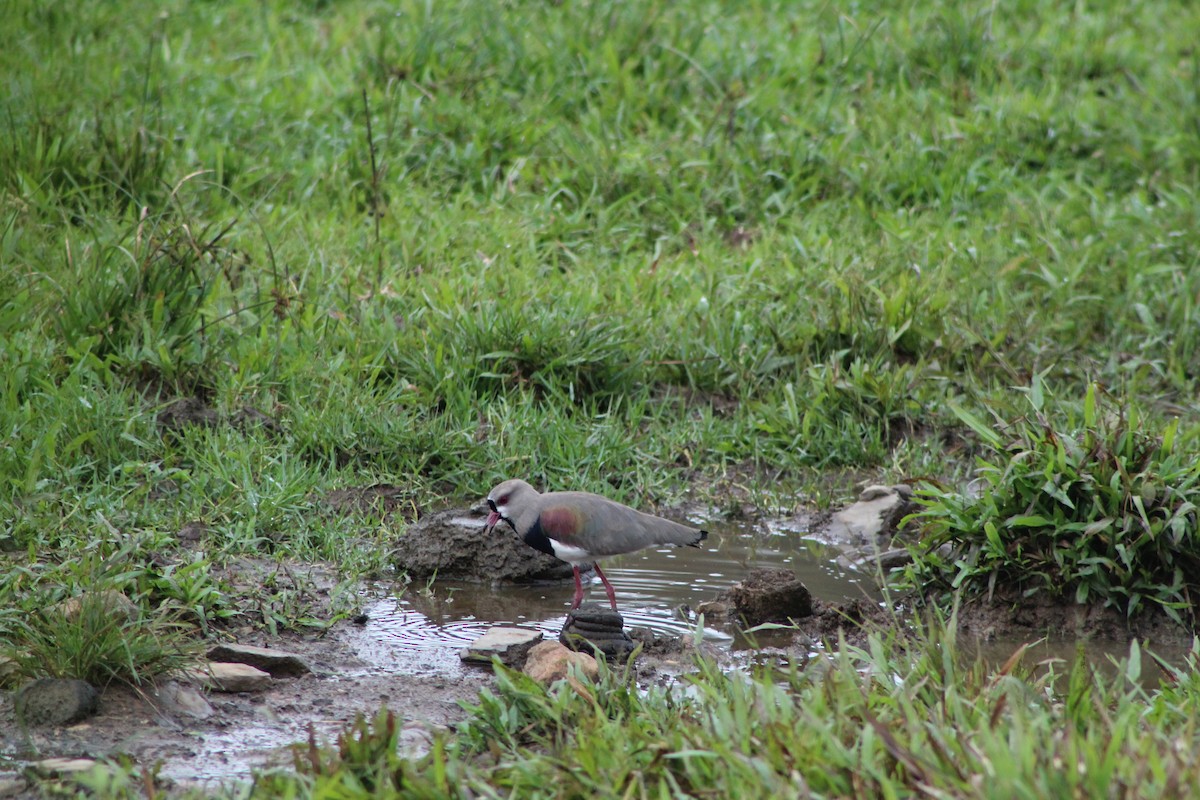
pixel 578 527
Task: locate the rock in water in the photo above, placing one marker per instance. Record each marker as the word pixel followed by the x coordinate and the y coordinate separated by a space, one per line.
pixel 56 701
pixel 592 628
pixel 510 645
pixel 875 517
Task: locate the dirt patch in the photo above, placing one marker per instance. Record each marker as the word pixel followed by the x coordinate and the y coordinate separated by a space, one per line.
pixel 357 668
pixel 1008 615
pixel 247 730
pixel 195 411
pixel 187 411
pixel 381 499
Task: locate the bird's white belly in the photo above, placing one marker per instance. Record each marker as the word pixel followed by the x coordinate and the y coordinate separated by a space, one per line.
pixel 570 553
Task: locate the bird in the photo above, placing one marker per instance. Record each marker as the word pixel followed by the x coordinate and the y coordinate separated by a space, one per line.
pixel 579 527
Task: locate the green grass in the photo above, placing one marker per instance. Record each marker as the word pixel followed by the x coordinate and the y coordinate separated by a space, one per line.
pixel 645 248
pixel 1102 510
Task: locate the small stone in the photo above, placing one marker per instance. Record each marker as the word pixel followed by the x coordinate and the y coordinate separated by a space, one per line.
pixel 56 701
pixel 550 661
pixel 714 611
pixel 510 645
pixel 416 740
pixel 278 663
pixel 185 700
pixel 223 676
pixel 111 601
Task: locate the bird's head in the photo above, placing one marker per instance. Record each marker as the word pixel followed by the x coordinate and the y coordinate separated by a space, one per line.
pixel 505 502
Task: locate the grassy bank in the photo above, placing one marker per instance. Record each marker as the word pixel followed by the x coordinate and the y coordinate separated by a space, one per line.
pixel 255 253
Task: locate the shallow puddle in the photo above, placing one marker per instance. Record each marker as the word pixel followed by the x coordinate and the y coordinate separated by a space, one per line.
pixel 422 630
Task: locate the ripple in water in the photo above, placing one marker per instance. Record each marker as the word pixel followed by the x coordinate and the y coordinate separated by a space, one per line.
pixel 424 630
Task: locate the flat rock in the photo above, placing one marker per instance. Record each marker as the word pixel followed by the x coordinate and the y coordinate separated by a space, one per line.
pixel 769 595
pixel 56 701
pixel 278 663
pixel 875 516
pixel 111 601
pixel 179 698
pixel 62 766
pixel 224 676
pixel 593 629
pixel 551 661
pixel 510 645
pixel 451 544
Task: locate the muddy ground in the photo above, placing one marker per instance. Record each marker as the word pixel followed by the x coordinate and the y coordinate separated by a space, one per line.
pixel 249 730
pixel 352 675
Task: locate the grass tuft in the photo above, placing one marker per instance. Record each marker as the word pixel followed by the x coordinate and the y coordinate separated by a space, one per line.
pixel 1085 505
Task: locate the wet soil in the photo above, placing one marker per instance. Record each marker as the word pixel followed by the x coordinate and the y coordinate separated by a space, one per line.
pixel 1008 615
pixel 247 730
pixel 402 651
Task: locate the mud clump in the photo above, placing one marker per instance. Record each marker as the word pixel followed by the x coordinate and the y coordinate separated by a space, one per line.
pixel 451 545
pixel 768 595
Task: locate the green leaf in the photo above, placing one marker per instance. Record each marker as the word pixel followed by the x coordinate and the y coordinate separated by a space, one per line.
pixel 973 422
pixel 1028 521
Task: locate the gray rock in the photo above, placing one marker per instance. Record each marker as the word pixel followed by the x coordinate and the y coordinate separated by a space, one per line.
pixel 769 595
pixel 222 676
pixel 451 544
pixel 279 663
pixel 592 628
pixel 875 516
pixel 178 698
pixel 892 559
pixel 56 701
pixel 510 645
pixel 879 561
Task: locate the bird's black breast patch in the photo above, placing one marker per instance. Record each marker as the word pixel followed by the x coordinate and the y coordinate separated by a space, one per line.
pixel 536 538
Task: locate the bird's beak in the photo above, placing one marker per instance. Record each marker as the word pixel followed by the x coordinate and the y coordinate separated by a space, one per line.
pixel 493 518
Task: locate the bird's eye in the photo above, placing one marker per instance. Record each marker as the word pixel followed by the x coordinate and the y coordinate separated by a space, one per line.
pixel 504 500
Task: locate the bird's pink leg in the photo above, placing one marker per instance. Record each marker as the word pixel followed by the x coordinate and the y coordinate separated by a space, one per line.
pixel 612 596
pixel 578 589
